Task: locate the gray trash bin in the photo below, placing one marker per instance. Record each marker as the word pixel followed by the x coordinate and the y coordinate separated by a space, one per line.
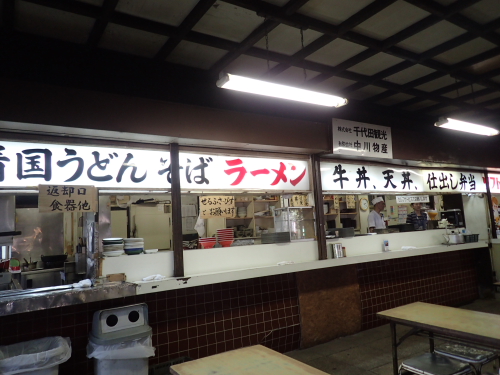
pixel 120 341
pixel 35 357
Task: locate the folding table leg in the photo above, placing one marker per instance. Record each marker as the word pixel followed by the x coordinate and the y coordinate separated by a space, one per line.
pixel 394 349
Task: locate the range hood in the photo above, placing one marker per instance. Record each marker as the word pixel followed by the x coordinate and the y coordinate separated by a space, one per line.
pixel 7 219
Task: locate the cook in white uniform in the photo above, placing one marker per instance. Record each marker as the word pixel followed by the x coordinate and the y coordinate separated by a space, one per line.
pixel 375 220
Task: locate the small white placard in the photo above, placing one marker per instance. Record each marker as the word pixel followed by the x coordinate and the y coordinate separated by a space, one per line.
pixel 412 199
pixel 360 139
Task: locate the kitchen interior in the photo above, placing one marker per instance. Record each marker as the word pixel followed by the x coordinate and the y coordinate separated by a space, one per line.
pixel 48 249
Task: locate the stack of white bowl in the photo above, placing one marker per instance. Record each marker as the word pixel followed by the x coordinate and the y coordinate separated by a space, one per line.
pixel 134 246
pixel 241 211
pixel 112 247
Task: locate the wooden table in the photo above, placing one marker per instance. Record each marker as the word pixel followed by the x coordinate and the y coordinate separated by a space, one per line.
pixel 251 360
pixel 465 326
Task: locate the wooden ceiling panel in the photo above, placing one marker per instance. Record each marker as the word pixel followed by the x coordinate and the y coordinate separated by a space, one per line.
pixel 410 74
pixel 287 40
pixel 465 51
pixel 431 37
pixel 52 23
pixel 168 12
pixel 336 52
pixel 131 41
pixel 391 20
pixel 226 21
pixel 375 64
pixel 332 11
pixel 483 12
pixel 195 55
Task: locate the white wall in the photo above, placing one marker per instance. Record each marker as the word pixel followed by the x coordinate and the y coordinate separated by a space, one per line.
pixel 476 215
pixel 141 265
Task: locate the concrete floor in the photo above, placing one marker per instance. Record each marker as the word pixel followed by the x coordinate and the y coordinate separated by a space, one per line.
pixel 369 352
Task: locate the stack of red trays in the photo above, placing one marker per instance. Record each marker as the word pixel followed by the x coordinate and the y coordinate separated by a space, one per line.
pixel 225 237
pixel 207 242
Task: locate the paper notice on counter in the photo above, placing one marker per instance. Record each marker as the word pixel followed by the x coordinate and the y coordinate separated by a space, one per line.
pixel 188 210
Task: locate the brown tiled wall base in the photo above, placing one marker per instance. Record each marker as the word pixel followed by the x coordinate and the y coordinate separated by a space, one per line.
pixel 445 279
pixel 193 322
pixel 205 320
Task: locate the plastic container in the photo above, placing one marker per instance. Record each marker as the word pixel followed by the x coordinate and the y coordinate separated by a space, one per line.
pixel 120 341
pixel 35 357
pixel 471 238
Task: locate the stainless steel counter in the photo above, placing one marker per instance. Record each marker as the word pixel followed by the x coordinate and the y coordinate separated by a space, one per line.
pixel 20 301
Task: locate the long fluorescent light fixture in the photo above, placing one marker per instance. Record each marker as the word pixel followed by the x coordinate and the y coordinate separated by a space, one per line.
pixel 254 86
pixel 469 127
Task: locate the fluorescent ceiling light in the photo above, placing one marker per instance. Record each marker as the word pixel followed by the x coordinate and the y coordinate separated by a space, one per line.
pixel 449 123
pixel 254 86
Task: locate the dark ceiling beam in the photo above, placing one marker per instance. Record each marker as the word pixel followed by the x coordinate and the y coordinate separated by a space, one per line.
pixel 76 7
pixel 256 35
pixel 459 20
pixel 274 56
pixel 470 96
pixel 261 31
pixel 294 19
pixel 300 20
pixel 415 83
pixel 108 7
pixel 443 47
pixel 301 55
pixel 432 76
pixel 187 24
pixel 441 91
pixel 378 76
pixel 324 69
pixel 361 16
pixel 362 56
pixel 8 14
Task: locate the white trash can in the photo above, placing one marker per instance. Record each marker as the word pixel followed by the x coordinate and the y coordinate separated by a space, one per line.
pixel 35 357
pixel 120 341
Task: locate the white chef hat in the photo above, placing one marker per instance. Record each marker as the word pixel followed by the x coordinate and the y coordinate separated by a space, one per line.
pixel 377 200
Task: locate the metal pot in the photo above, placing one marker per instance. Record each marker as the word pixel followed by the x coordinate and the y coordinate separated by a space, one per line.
pixel 453 238
pixel 54 258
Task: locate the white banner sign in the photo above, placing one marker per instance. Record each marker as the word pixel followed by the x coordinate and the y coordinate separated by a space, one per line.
pixel 236 173
pixel 358 177
pixel 412 199
pixel 359 139
pixel 454 182
pixel 353 177
pixel 494 182
pixel 32 164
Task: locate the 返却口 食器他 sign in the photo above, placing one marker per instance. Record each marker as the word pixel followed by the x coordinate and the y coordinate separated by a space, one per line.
pixel 67 198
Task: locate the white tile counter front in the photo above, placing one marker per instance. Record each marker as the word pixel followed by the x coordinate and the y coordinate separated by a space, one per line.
pixel 209 266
